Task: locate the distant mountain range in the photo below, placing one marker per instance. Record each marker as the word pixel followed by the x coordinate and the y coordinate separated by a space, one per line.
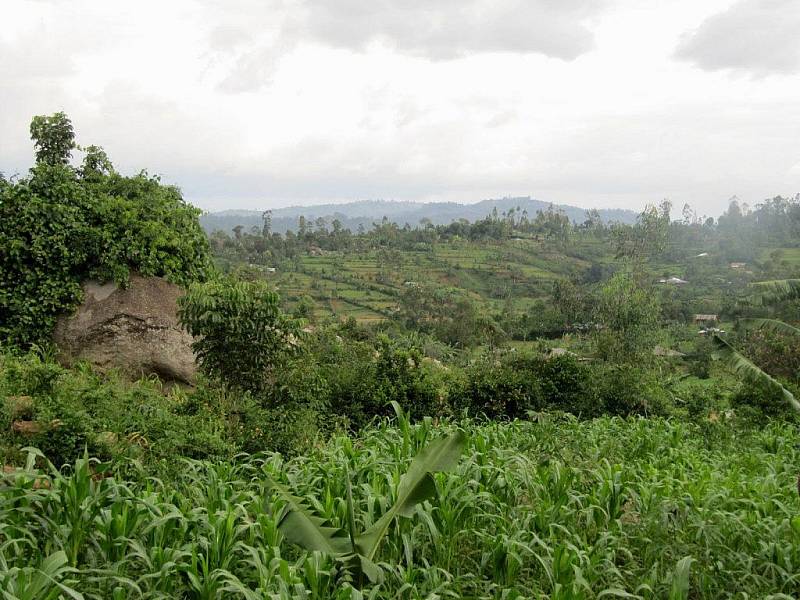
pixel 367 212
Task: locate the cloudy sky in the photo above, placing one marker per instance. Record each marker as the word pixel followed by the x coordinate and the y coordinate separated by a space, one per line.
pixel 262 103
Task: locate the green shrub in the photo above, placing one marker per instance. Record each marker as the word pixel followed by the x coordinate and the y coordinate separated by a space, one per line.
pixel 513 384
pixel 29 374
pixel 760 403
pixel 360 376
pixel 293 414
pixel 112 418
pixel 702 399
pixel 290 431
pixel 500 388
pixel 67 434
pixel 372 377
pixel 627 390
pixel 242 337
pixel 567 385
pixel 60 226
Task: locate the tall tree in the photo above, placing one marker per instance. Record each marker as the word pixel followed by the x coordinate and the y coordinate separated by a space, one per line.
pixel 54 138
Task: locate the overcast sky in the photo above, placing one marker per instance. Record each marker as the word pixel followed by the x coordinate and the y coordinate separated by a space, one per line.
pixel 256 104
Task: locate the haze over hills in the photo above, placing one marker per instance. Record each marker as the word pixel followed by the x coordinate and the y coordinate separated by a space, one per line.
pixel 366 212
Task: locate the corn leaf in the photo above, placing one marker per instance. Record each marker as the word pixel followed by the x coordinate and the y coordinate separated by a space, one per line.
pixel 681 578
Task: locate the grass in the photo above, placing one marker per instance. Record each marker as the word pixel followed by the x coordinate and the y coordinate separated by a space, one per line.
pixel 552 508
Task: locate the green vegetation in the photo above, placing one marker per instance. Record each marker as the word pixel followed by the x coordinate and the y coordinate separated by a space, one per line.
pixel 775 291
pixel 241 335
pixel 552 508
pixel 61 225
pixel 518 407
pixel 510 267
pixel 357 550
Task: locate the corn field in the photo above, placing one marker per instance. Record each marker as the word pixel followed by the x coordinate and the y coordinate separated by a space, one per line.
pixel 551 508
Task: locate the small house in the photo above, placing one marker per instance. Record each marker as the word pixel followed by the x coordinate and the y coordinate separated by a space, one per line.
pixel 703 319
pixel 673 281
pixel 738 265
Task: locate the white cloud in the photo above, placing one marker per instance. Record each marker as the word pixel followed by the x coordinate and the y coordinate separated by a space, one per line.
pixel 442 30
pixel 254 104
pixel 756 37
pixel 453 28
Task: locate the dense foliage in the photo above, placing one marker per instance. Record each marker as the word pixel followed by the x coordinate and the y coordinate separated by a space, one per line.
pixel 549 509
pixel 536 342
pixel 61 225
pixel 241 336
pixel 74 411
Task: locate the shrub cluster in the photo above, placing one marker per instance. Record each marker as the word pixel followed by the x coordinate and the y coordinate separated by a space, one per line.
pixel 515 384
pixel 73 411
pixel 61 225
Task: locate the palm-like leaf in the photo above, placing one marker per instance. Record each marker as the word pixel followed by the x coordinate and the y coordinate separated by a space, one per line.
pixel 772 325
pixel 747 370
pixel 779 290
pixel 415 486
pixel 301 526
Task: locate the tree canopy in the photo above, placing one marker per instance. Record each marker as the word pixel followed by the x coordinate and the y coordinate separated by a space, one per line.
pixel 60 225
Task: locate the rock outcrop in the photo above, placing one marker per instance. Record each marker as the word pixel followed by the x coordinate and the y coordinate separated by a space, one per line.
pixel 133 329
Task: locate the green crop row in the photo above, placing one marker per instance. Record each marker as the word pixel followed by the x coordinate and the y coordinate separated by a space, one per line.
pixel 549 508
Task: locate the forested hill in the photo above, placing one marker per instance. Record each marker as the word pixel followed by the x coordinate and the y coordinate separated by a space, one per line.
pixel 353 214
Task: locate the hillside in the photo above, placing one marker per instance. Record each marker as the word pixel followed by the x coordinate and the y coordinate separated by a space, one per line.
pixel 365 213
pixel 368 285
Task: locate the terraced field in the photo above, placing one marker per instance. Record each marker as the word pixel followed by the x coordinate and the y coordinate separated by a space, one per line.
pixel 367 286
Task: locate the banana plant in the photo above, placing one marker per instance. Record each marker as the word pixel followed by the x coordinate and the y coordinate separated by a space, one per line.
pixel 769 292
pixel 778 290
pixel 355 549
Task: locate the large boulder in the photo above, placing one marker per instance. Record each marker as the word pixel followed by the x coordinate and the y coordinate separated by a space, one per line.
pixel 133 329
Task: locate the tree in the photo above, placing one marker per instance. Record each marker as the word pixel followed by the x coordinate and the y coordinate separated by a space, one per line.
pixel 647 237
pixel 266 228
pixel 570 300
pixel 58 229
pixel 241 334
pixel 53 137
pixel 593 222
pixel 96 163
pixel 628 313
pixel 305 308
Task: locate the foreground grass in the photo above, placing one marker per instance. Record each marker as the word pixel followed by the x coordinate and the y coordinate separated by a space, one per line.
pixel 547 509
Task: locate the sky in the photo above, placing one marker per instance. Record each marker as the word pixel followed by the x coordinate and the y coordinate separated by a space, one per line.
pixel 268 103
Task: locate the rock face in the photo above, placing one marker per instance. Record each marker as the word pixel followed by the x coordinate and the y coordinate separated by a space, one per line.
pixel 135 330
